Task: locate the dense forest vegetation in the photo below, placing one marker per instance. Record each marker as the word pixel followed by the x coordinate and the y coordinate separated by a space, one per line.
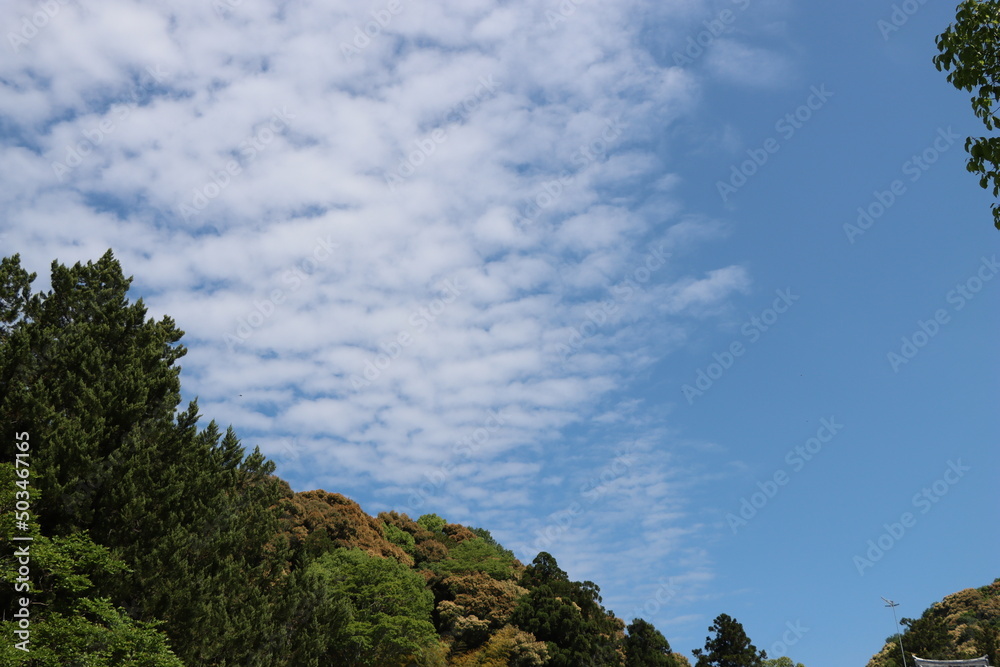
pixel 158 541
pixel 135 537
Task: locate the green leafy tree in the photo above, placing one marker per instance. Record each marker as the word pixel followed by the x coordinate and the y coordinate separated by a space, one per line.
pixel 730 647
pixel 431 522
pixel 400 538
pixel 390 609
pixel 71 622
pixel 477 555
pixel 645 646
pixel 970 51
pixel 783 661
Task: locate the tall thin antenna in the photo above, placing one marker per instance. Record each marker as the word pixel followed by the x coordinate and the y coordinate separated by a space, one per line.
pixel 890 603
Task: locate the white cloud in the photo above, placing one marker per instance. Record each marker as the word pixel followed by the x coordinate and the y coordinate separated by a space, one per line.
pixel 742 64
pixel 359 367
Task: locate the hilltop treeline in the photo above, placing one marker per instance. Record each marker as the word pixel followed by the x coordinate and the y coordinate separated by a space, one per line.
pixel 963 625
pixel 158 540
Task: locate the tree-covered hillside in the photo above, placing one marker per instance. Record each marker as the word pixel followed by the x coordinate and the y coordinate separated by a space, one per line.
pixel 137 535
pixel 963 625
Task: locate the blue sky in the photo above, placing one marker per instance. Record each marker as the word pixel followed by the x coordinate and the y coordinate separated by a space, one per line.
pixel 468 263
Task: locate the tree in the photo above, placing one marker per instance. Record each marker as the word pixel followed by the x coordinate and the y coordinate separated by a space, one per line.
pixel 927 636
pixel 390 609
pixel 476 555
pixel 730 647
pixel 645 646
pixel 568 616
pixel 970 50
pixel 72 623
pixel 783 661
pixel 191 516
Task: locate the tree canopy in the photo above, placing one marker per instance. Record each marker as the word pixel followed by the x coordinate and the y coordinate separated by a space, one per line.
pixel 730 647
pixel 970 51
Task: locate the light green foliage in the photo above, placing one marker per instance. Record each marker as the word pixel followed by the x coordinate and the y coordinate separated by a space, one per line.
pixel 399 537
pixel 390 606
pixel 970 51
pixel 431 522
pixel 95 634
pixel 477 555
pixel 783 661
pixel 70 622
pixel 485 534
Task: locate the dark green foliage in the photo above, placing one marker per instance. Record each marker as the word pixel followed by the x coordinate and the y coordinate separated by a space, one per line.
pixel 645 646
pixel 71 622
pixel 970 50
pixel 567 616
pixel 85 371
pixel 543 570
pixel 730 647
pixel 988 642
pixel 926 636
pixel 187 511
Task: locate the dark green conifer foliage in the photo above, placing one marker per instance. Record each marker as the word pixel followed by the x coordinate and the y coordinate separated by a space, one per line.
pixel 568 616
pixel 72 621
pixel 83 369
pixel 190 514
pixel 927 636
pixel 730 647
pixel 645 646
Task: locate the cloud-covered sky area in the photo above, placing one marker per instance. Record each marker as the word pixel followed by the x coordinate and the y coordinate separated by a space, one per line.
pixel 588 274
